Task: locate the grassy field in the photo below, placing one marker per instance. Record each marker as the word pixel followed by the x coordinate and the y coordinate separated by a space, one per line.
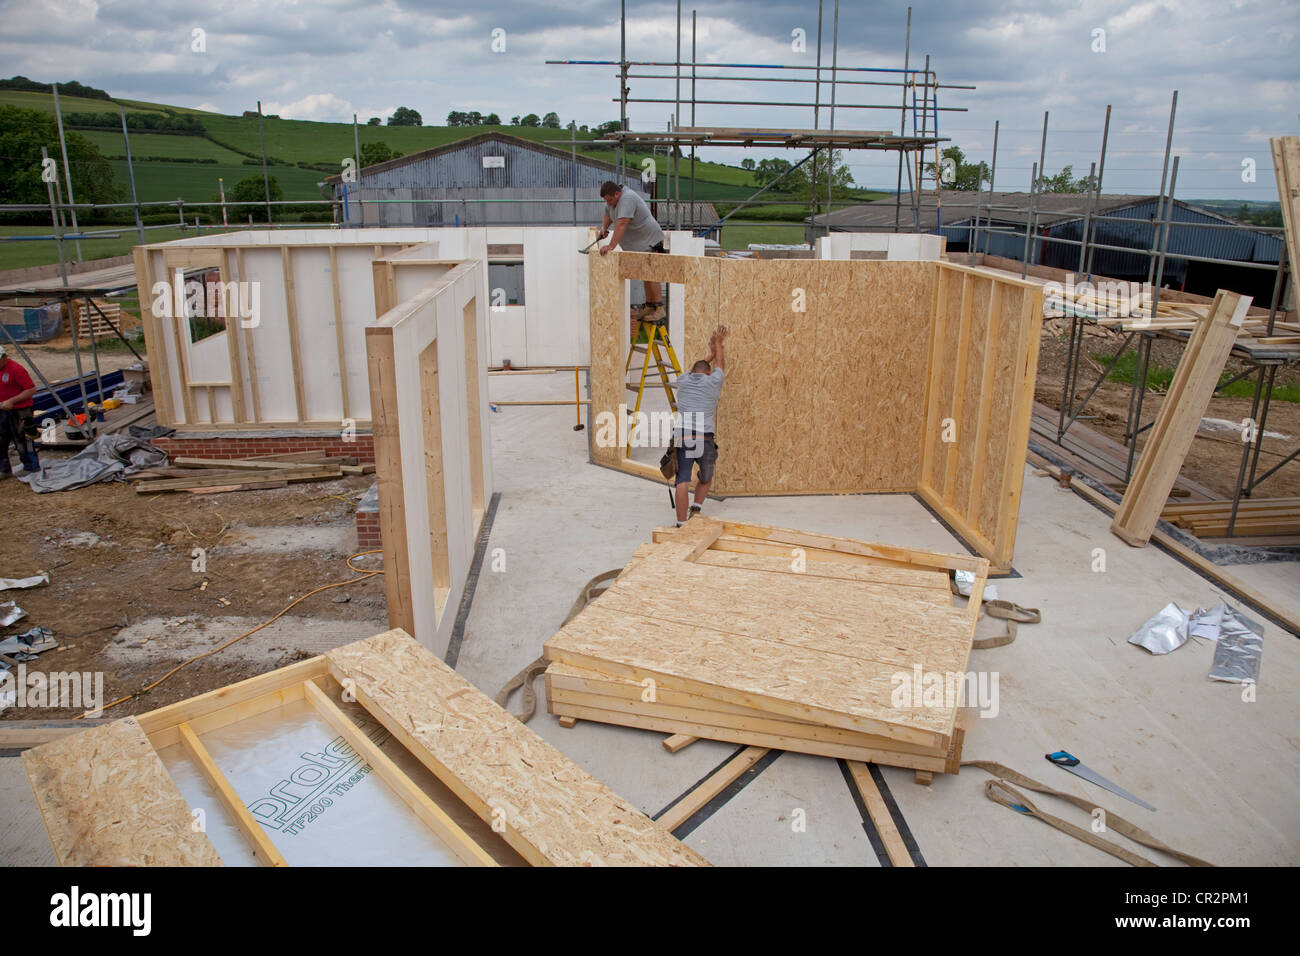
pixel 160 144
pixel 20 255
pixel 31 100
pixel 741 235
pixel 230 140
pixel 1159 378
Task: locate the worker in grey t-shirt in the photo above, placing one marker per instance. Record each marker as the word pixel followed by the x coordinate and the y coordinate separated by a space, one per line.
pixel 697 403
pixel 635 230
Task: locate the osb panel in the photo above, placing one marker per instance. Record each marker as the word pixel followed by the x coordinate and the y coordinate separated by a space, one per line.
pixel 609 345
pixel 107 800
pixel 701 315
pixel 971 386
pixel 553 811
pixel 992 496
pixel 942 376
pixel 764 416
pixel 800 646
pixel 655 266
pixel 567 679
pixel 882 331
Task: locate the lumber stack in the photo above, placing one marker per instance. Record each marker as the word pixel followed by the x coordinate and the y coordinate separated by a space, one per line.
pixel 1255 516
pixel 216 475
pixel 775 638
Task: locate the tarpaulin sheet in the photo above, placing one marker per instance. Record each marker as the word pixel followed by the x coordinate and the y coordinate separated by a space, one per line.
pixel 107 458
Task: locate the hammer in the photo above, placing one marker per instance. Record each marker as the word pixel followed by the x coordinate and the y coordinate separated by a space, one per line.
pixel 590 244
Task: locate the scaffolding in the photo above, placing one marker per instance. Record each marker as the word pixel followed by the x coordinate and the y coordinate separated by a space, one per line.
pixel 921 85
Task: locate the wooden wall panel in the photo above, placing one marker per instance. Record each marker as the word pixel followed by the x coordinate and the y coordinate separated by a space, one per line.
pixel 982 376
pixel 609 345
pixel 879 329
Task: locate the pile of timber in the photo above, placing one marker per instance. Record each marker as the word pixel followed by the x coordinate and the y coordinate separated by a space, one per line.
pixel 1255 516
pixel 776 638
pixel 215 475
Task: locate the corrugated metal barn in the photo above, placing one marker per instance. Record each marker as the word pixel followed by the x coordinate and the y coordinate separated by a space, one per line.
pixel 524 184
pixel 1061 216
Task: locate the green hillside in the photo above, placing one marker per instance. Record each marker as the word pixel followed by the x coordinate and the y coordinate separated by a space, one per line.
pixel 301 153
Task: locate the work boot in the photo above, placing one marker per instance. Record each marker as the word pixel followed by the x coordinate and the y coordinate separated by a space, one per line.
pixel 653 312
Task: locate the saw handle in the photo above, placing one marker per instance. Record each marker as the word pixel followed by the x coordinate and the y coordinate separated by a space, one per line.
pixel 1063 758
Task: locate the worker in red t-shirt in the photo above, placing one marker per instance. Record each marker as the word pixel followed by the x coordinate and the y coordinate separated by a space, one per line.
pixel 16 391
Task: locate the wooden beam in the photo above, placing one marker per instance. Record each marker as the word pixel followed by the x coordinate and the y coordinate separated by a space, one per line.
pixel 155 348
pixel 388 460
pixel 1286 168
pixel 1022 397
pixel 263 848
pixel 232 343
pixel 676 742
pixel 959 388
pixel 881 818
pixel 710 787
pixel 338 330
pixel 250 347
pixel 291 311
pixel 420 803
pixel 933 377
pixel 1178 419
pixel 191 711
pixel 992 329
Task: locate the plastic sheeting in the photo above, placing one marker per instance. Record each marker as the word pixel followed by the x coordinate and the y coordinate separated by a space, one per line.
pixel 1237 652
pixel 107 458
pixel 312 794
pixel 1238 639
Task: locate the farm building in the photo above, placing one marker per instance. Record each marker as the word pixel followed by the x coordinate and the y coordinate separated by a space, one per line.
pixel 1125 221
pixel 493 179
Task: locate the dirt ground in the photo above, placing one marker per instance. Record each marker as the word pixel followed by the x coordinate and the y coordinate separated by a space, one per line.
pixel 57 361
pixel 125 598
pixel 1215 457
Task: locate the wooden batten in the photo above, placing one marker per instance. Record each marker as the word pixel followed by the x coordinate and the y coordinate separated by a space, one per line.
pixel 388 460
pixel 1179 417
pixel 291 313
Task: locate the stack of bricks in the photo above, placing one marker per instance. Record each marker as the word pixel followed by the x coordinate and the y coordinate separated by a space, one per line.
pixel 361 447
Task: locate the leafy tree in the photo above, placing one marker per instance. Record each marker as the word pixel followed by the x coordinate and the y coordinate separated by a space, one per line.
pixel 22 134
pixel 746 164
pixel 514 121
pixel 1064 182
pixel 966 177
pixel 612 126
pixel 582 128
pixel 492 120
pixel 374 121
pixel 530 120
pixel 551 121
pixel 374 153
pixel 769 169
pixel 251 189
pixel 405 116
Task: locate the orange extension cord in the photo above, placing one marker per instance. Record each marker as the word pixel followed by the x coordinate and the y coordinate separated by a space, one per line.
pixel 324 587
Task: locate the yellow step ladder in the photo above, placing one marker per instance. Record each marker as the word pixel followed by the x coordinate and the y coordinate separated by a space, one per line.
pixel 647 339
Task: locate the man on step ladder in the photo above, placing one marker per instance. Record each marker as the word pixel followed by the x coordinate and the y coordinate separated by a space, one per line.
pixel 634 230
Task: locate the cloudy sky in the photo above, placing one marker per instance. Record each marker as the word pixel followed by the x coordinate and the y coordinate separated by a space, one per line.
pixel 1234 63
